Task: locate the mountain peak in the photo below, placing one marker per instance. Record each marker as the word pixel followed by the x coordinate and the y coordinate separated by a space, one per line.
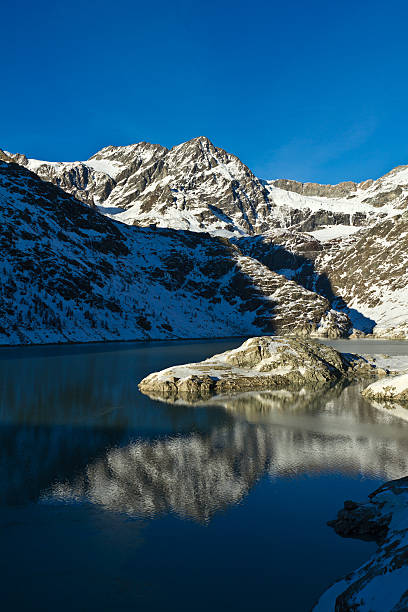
pixel 4 156
pixel 199 142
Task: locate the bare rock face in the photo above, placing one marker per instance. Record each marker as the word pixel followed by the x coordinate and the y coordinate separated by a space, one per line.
pixel 381 583
pixel 333 325
pixel 314 189
pixel 260 363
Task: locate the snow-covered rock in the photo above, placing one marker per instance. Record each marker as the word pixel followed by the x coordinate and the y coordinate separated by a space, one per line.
pixel 381 584
pixel 259 363
pixel 364 275
pixel 348 205
pixel 389 388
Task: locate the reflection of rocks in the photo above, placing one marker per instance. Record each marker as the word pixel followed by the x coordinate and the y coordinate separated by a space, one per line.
pixel 381 583
pixel 391 407
pixel 315 432
pixel 197 475
pixel 191 476
pixel 259 363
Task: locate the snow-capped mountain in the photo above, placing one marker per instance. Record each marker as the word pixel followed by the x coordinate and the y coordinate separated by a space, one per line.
pixel 303 246
pixel 348 205
pixel 200 187
pixel 69 273
pixel 193 186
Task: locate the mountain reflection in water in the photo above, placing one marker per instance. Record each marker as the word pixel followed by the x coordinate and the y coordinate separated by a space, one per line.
pixel 97 481
pixel 195 475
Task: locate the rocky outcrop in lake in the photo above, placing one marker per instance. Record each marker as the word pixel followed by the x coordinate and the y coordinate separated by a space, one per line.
pixel 259 363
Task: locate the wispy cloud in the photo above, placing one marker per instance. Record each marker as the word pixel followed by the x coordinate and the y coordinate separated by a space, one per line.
pixel 308 158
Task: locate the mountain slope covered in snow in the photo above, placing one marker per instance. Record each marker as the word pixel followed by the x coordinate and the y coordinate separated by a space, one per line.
pixel 369 274
pixel 69 273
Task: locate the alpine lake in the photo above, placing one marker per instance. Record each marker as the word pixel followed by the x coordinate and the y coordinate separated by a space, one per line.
pixel 111 501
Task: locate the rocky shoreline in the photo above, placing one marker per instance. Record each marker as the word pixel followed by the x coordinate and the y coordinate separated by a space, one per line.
pixel 297 367
pixel 380 584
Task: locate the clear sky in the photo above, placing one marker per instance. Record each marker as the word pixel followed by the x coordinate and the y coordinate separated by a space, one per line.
pixel 305 89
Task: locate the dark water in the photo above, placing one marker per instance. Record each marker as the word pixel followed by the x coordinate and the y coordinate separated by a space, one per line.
pixel 110 501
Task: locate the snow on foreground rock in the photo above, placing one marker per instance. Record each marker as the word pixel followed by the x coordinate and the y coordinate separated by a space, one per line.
pixel 381 584
pixel 259 363
pixel 390 388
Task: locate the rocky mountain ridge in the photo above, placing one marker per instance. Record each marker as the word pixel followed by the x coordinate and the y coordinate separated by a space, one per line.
pixel 200 187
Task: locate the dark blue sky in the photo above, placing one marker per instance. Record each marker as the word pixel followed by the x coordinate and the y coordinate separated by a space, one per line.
pixel 312 90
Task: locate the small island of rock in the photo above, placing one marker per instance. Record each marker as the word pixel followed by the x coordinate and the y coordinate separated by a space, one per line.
pixel 259 363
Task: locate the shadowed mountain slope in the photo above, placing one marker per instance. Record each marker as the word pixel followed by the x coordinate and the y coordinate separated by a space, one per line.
pixel 69 273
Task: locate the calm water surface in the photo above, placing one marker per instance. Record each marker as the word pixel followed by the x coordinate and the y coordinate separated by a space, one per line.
pixel 110 501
